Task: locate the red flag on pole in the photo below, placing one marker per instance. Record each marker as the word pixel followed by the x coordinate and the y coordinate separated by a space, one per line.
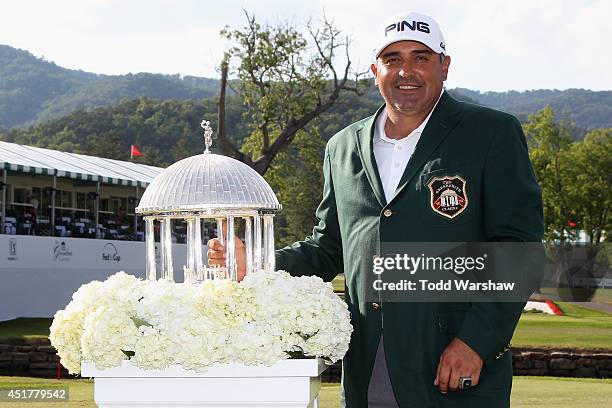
pixel 135 152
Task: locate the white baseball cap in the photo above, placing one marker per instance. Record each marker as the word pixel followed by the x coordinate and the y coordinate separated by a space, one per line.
pixel 413 27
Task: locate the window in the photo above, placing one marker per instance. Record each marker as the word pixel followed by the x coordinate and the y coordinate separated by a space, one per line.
pixel 43 195
pixel 63 199
pixel 131 205
pixel 7 188
pixel 2 189
pixel 20 195
pixel 37 193
pixel 81 201
pixel 115 204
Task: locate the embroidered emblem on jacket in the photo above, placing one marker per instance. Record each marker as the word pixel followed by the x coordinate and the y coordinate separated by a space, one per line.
pixel 448 196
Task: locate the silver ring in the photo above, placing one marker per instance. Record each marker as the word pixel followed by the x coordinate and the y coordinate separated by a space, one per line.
pixel 465 383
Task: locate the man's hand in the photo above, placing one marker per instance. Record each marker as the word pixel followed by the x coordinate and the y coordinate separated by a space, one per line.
pixel 216 255
pixel 457 360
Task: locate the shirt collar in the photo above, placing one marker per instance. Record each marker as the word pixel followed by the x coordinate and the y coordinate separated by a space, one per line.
pixel 379 134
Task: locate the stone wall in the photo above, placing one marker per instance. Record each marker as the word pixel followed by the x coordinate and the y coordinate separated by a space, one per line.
pixel 562 363
pixel 539 362
pixel 36 359
pixel 39 359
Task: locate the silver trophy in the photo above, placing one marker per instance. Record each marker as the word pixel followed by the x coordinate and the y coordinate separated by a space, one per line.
pixel 204 190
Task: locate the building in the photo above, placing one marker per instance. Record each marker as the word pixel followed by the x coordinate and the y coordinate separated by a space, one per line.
pixel 67 219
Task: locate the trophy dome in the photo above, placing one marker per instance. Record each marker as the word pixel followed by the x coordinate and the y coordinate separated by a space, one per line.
pixel 207 182
pixel 197 190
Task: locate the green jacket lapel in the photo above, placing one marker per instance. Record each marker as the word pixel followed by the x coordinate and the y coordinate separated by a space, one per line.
pixel 443 119
pixel 365 140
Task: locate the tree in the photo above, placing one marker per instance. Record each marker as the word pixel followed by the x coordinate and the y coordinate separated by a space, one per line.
pixel 576 192
pixel 591 195
pixel 550 151
pixel 284 81
pixel 297 174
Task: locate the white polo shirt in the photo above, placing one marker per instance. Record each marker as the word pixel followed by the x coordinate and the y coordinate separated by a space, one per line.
pixel 392 155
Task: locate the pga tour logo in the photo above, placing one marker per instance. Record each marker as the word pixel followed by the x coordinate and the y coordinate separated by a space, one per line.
pixel 12 249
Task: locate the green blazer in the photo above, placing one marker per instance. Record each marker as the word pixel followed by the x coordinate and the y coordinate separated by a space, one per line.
pixel 486 148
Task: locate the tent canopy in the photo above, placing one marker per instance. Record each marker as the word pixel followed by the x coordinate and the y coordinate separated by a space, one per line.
pixel 29 159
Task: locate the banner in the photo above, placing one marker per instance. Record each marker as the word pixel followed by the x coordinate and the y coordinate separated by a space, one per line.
pixel 39 274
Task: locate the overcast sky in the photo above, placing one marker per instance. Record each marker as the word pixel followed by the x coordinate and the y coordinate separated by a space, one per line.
pixel 495 45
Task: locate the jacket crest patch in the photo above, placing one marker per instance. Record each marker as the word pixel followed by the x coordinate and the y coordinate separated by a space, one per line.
pixel 448 196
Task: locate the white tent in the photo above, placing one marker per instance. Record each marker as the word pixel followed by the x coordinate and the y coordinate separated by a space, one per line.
pixel 29 159
pixel 37 160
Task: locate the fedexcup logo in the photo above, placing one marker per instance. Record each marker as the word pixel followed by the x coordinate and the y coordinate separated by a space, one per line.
pixel 110 253
pixel 403 25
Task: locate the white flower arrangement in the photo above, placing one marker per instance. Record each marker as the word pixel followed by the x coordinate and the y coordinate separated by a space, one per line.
pixel 267 317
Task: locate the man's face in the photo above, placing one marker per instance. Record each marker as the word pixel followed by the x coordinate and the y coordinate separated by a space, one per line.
pixel 410 77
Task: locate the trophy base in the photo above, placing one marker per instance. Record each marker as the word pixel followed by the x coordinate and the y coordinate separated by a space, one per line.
pixel 286 384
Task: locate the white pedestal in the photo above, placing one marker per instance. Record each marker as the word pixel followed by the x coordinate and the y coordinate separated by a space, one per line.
pixel 287 384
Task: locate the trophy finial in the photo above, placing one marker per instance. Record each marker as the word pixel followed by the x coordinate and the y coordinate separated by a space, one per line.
pixel 205 124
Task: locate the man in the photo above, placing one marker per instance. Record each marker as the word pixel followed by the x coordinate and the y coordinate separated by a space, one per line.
pixel 379 179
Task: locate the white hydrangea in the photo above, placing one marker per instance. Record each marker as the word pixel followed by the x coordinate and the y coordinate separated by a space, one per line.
pixel 166 305
pixel 304 311
pixel 123 290
pixel 253 343
pixel 151 348
pixel 226 303
pixel 267 317
pixel 67 327
pixel 87 296
pixel 108 334
pixel 66 331
pixel 202 344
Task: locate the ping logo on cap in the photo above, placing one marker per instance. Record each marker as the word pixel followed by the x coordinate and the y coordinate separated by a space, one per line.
pixel 401 26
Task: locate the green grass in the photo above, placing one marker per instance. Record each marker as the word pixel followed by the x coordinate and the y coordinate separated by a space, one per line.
pixel 25 328
pixel 526 392
pixel 602 295
pixel 529 392
pixel 338 283
pixel 560 392
pixel 329 396
pixel 80 392
pixel 580 327
pixel 574 310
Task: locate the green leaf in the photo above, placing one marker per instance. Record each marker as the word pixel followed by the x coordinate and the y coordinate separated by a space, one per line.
pixel 140 322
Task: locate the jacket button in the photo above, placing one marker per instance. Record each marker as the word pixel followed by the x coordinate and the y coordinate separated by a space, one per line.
pixel 375 306
pixel 387 212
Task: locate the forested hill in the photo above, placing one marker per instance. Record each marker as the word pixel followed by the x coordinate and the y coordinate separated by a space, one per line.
pixel 588 109
pixel 165 131
pixel 33 90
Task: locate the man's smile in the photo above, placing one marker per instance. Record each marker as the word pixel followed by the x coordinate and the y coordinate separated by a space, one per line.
pixel 408 87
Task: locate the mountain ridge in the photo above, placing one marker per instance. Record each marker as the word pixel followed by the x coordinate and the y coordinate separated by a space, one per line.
pixel 34 90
